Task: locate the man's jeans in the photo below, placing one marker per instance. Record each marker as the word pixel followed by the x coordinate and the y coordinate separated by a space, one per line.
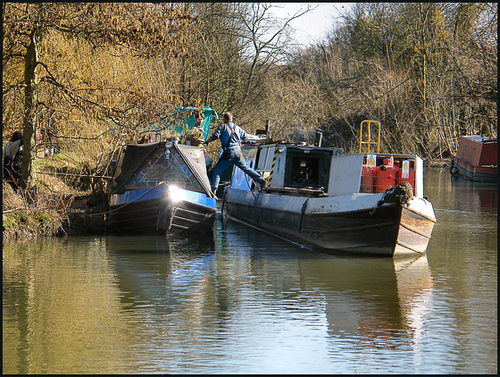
pixel 227 159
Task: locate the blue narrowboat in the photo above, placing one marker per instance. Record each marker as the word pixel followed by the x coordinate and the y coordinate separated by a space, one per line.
pixel 161 188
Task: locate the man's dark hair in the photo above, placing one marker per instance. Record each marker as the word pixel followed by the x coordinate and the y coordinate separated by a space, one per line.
pixel 228 117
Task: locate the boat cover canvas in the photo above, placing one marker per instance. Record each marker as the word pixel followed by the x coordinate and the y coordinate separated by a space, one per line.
pixel 195 159
pixel 132 158
pixel 145 165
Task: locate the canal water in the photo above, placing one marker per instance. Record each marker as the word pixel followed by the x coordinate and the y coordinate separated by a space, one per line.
pixel 247 302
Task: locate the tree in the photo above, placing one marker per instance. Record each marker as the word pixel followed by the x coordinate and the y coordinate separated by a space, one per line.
pixel 426 71
pixel 266 43
pixel 233 47
pixel 30 29
pixel 211 71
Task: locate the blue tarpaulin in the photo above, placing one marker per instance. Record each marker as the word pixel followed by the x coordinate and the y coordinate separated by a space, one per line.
pixel 190 120
pixel 181 122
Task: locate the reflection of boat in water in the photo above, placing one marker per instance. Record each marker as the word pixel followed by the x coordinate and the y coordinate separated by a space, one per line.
pixel 162 188
pixel 198 292
pixel 149 268
pixel 371 296
pixel 362 295
pixel 476 159
pixel 482 196
pixel 157 245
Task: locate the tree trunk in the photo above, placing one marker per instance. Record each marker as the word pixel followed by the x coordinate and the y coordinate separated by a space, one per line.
pixel 30 109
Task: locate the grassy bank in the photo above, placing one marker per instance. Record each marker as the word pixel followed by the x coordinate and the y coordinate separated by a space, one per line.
pixel 41 214
pixel 58 204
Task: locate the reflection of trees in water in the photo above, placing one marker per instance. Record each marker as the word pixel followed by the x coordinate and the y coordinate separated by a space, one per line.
pixel 65 307
pixel 113 300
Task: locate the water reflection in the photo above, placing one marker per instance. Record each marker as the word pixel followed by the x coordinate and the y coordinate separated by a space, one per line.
pixel 247 302
pixel 463 254
pixel 365 297
pixel 179 308
pixel 455 193
pixel 61 309
pixel 484 196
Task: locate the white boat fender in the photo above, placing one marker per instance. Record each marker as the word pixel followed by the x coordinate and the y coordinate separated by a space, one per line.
pixel 453 169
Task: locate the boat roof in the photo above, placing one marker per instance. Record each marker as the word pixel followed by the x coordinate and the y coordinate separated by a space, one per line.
pixel 267 142
pixel 132 158
pixel 480 139
pixel 136 155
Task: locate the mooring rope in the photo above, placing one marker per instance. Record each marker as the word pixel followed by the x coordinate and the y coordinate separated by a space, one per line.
pixel 123 206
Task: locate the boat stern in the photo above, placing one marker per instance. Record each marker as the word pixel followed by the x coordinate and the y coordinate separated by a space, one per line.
pixel 188 211
pixel 415 229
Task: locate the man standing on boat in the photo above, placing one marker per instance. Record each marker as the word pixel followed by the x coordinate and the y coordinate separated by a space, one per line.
pixel 230 136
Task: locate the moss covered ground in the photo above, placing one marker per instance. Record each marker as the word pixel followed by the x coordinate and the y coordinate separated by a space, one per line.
pixel 59 202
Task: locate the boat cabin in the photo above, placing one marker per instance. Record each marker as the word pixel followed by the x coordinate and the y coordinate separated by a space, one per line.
pixel 327 171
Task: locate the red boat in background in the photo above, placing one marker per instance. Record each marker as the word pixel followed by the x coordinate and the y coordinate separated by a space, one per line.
pixel 476 159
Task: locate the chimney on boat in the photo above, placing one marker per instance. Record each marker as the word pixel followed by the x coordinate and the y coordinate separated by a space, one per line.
pixel 318 138
pixel 265 131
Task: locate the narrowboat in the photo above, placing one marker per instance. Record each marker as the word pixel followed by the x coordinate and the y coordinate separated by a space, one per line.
pixel 364 203
pixel 476 159
pixel 161 188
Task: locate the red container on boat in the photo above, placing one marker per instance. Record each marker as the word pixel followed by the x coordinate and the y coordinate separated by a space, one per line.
pixel 406 174
pixel 385 176
pixel 367 178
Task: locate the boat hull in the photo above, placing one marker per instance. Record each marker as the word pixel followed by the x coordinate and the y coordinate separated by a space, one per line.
pixel 162 210
pixel 353 223
pixel 476 173
pixel 476 159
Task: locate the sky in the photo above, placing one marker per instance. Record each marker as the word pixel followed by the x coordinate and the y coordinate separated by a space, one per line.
pixel 313 26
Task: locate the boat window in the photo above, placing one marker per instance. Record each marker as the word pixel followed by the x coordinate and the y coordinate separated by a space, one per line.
pixel 266 158
pixel 262 158
pixel 249 153
pixel 159 167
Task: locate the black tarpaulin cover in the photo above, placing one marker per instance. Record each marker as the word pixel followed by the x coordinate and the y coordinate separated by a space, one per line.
pixel 195 159
pixel 146 165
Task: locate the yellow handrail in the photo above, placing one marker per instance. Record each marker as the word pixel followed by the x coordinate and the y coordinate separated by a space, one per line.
pixel 369 142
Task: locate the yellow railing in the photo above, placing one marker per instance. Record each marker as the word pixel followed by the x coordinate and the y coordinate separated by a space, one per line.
pixel 368 135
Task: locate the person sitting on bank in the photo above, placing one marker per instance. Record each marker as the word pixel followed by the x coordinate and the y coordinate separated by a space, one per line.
pixel 12 157
pixel 230 136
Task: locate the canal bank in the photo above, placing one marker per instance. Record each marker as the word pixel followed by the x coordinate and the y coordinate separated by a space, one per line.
pixel 51 209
